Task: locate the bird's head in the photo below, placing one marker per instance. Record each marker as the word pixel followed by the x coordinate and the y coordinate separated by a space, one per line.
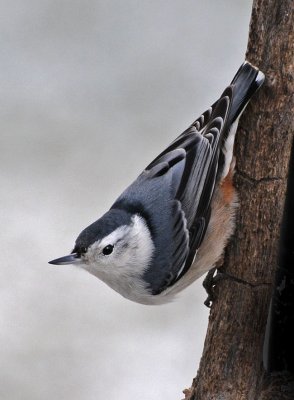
pixel 117 249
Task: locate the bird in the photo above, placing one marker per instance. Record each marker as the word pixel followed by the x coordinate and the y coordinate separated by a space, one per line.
pixel 171 225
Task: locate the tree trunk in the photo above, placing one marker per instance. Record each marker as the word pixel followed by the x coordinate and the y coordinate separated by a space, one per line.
pixel 231 367
pixel 278 351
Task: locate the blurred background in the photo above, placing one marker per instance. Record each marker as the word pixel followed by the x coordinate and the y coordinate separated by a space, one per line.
pixel 90 92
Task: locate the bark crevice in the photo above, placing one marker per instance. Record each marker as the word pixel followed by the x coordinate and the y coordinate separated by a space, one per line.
pixel 256 181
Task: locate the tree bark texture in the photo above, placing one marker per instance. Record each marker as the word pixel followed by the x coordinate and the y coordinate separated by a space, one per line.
pixel 231 367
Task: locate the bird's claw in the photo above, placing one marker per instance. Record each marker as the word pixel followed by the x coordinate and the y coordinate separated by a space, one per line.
pixel 208 284
pixel 211 280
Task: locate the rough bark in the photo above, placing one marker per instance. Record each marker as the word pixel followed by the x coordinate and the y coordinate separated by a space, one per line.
pixel 278 350
pixel 231 366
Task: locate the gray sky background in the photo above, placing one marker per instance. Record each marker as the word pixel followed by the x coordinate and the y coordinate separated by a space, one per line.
pixel 91 91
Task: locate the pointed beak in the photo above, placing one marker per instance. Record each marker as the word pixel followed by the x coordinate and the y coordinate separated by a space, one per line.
pixel 73 258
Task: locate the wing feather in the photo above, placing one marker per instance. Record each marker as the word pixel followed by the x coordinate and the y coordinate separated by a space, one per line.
pixel 192 159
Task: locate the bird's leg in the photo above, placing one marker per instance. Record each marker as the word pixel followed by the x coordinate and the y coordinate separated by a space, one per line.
pixel 208 284
pixel 211 280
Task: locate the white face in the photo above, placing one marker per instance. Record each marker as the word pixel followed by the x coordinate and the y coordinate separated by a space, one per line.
pixel 131 255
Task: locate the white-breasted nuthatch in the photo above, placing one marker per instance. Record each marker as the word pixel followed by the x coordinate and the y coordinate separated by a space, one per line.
pixel 171 225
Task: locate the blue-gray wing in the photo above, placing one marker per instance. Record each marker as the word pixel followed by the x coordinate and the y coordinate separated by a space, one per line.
pixel 191 163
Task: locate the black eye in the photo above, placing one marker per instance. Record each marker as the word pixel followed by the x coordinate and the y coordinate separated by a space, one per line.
pixel 107 250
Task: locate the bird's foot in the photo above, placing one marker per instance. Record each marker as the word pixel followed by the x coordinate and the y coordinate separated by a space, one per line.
pixel 211 280
pixel 209 283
